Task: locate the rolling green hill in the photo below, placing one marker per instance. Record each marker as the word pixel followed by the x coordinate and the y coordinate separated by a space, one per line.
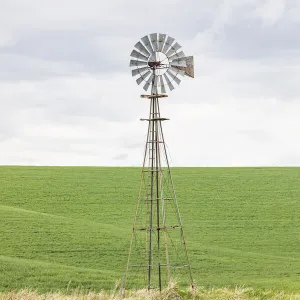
pixel 68 227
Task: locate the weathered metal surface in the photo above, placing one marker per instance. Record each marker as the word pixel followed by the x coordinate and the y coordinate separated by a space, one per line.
pixel 146 86
pixel 177 56
pixel 148 82
pixel 174 77
pixel 168 44
pixel 143 77
pixel 138 55
pixel 177 70
pixel 162 85
pixel 155 119
pixel 139 71
pixel 178 63
pixel 156 81
pixel 161 41
pixel 173 49
pixel 142 48
pixel 154 249
pixel 147 44
pixel 189 70
pixel 154 96
pixel 137 63
pixel 153 39
pixel 158 228
pixel 170 85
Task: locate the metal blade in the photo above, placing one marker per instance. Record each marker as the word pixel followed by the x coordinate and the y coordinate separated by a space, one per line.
pixel 134 63
pixel 162 85
pixel 153 38
pixel 148 82
pixel 142 49
pixel 177 70
pixel 139 80
pixel 177 56
pixel 173 49
pixel 143 77
pixel 139 71
pixel 156 81
pixel 170 85
pixel 168 44
pixel 189 70
pixel 178 63
pixel 147 43
pixel 138 55
pixel 155 85
pixel 161 41
pixel 174 77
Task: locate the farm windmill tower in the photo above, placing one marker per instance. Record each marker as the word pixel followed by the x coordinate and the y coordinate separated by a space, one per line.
pixel 158 249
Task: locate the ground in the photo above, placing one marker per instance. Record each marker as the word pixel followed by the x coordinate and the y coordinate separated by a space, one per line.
pixel 69 227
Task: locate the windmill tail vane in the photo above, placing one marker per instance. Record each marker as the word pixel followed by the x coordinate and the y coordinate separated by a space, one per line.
pixel 158 251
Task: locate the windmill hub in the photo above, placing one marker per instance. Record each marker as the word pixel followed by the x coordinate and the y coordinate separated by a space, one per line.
pixel 158 61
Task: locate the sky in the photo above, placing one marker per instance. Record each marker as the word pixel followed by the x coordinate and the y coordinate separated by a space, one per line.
pixel 67 96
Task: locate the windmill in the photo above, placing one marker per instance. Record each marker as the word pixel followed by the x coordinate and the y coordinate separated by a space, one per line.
pixel 158 251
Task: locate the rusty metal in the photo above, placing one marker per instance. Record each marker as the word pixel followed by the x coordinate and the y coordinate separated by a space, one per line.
pixel 189 69
pixel 156 119
pixel 161 55
pixel 154 96
pixel 152 246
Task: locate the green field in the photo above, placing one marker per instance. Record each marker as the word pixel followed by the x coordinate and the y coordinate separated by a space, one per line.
pixel 68 227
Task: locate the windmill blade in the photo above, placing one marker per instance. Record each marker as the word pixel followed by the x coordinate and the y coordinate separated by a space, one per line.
pixel 178 63
pixel 138 55
pixel 147 44
pixel 170 85
pixel 139 71
pixel 148 82
pixel 137 63
pixel 153 38
pixel 161 41
pixel 156 81
pixel 162 85
pixel 179 55
pixel 174 77
pixel 143 77
pixel 142 48
pixel 168 44
pixel 177 71
pixel 173 49
pixel 139 80
pixel 155 85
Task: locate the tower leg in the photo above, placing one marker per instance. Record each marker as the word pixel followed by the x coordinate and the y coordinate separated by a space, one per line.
pixel 157 255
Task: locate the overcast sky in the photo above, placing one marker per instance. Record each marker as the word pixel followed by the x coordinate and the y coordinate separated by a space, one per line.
pixel 67 96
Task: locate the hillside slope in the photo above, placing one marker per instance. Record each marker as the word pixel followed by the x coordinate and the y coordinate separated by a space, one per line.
pixel 69 227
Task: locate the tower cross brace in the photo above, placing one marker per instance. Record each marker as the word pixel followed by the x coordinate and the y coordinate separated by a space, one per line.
pixel 157 248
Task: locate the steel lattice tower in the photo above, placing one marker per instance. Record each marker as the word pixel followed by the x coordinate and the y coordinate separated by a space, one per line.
pixel 158 251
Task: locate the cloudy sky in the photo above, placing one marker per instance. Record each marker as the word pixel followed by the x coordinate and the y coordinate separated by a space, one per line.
pixel 67 96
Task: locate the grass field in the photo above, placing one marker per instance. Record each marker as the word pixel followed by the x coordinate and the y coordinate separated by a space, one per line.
pixel 69 227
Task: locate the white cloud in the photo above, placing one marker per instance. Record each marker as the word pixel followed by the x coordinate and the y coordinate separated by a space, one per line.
pixel 67 96
pixel 270 11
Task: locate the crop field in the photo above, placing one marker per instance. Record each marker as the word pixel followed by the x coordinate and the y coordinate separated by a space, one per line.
pixel 64 228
